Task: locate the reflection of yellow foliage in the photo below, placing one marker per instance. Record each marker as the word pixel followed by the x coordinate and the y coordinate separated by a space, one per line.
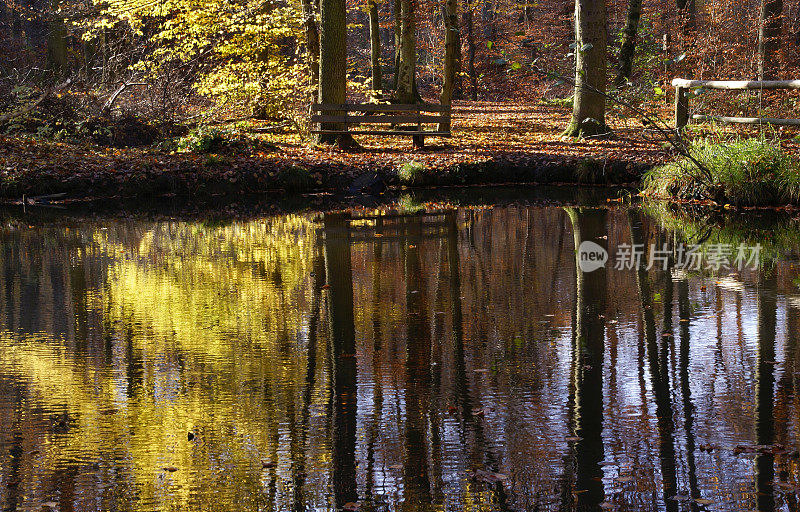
pixel 214 318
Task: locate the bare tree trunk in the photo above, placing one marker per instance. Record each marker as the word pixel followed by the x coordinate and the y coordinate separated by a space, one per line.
pixel 769 38
pixel 469 23
pixel 333 64
pixel 398 40
pixel 589 103
pixel 452 56
pixel 406 90
pixel 628 48
pixel 310 12
pixel 375 45
pixel 57 42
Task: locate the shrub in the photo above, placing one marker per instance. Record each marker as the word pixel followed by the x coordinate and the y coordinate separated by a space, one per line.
pixel 742 172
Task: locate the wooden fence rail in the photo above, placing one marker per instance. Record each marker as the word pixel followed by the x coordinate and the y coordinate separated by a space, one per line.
pixel 682 87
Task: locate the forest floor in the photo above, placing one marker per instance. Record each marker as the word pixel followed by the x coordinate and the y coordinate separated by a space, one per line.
pixel 492 143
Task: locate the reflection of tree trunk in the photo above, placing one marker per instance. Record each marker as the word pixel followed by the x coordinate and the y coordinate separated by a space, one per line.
pixel 627 49
pixel 659 373
pixel 338 270
pixel 377 381
pixel 684 313
pixel 588 353
pixel 418 363
pixel 765 381
pixel 318 267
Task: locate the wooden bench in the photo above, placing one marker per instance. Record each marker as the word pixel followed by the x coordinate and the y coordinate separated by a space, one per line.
pixel 402 119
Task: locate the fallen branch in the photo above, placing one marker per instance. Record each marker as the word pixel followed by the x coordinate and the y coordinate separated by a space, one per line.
pixel 113 98
pixel 44 96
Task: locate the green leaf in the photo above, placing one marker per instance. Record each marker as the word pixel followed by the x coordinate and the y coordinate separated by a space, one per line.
pixel 516 65
pixel 489 44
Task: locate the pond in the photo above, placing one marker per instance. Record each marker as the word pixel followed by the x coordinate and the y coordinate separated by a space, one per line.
pixel 418 358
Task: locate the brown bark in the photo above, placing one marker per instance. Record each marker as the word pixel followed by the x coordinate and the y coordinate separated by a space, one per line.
pixel 452 56
pixel 589 103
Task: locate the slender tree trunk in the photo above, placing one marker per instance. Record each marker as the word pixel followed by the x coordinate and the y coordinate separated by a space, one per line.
pixel 452 56
pixel 769 38
pixel 589 103
pixel 470 25
pixel 628 48
pixel 406 90
pixel 688 9
pixel 375 45
pixel 398 41
pixel 310 13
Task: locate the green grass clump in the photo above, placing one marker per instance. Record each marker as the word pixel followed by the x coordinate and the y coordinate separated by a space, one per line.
pixel 296 179
pixel 412 173
pixel 209 140
pixel 557 102
pixel 745 172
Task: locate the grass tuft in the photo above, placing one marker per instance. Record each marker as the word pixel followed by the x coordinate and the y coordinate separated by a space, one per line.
pixel 412 173
pixel 745 172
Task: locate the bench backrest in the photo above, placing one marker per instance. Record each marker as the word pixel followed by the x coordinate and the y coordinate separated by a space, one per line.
pixel 379 113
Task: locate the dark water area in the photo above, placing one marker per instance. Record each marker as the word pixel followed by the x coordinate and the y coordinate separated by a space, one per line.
pixel 415 358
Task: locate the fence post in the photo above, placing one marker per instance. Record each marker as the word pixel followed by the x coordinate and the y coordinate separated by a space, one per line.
pixel 681 108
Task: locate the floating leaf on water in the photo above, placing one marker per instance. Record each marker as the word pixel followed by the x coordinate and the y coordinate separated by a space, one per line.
pixel 624 479
pixel 680 497
pixel 49 504
pixel 572 439
pixel 489 476
pixel 267 464
pixel 703 501
pixel 353 505
pixel 606 505
pixel 170 469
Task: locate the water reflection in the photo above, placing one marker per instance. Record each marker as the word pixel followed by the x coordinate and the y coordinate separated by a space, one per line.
pixel 374 360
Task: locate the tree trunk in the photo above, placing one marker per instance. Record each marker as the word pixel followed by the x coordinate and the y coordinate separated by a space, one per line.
pixel 310 13
pixel 452 56
pixel 406 90
pixel 769 38
pixel 398 41
pixel 687 8
pixel 589 103
pixel 333 65
pixel 469 23
pixel 627 49
pixel 57 42
pixel 375 45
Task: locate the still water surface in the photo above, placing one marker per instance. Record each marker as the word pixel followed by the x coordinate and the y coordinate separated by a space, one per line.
pixel 449 360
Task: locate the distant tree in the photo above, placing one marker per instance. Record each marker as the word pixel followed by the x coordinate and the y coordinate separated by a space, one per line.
pixel 469 23
pixel 452 56
pixel 311 26
pixel 406 87
pixel 769 38
pixel 627 49
pixel 589 103
pixel 375 45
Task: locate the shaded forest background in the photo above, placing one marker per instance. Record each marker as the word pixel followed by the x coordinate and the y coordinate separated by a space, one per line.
pixel 191 60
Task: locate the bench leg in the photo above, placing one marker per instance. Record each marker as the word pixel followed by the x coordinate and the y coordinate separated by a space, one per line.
pixel 419 141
